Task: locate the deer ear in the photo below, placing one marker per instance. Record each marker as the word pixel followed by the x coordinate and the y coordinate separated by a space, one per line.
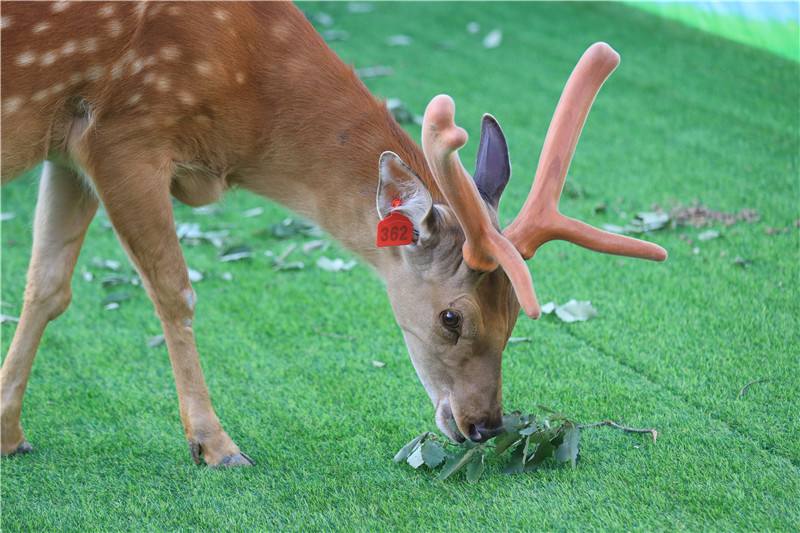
pixel 401 190
pixel 492 166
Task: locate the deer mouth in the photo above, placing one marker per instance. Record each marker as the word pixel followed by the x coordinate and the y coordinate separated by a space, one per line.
pixel 446 421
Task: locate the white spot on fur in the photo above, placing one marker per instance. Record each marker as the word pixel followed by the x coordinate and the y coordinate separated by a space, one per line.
pixel 116 70
pixel 60 6
pixel 170 53
pixel 12 104
pixel 25 59
pixel 204 68
pixel 240 78
pixel 5 22
pixel 76 78
pixel 150 61
pixel 114 28
pixel 174 11
pixel 134 99
pixel 105 11
pixel 89 45
pixel 40 27
pixel 94 73
pixel 186 98
pixel 149 78
pixel 163 84
pixel 69 48
pixel 137 66
pixel 48 58
pixel 57 88
pixel 221 14
pixel 38 96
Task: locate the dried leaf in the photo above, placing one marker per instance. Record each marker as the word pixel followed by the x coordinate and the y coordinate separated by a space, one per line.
pixel 310 246
pixel 254 212
pixel 115 279
pixel 646 221
pixel 116 297
pixel 399 40
pixel 518 340
pixel 227 276
pixel 206 210
pixel 613 228
pixel 335 265
pixel 400 111
pixel 415 459
pixel 473 27
pixel 575 311
pixel 87 276
pixel 548 308
pixel 292 265
pixel 708 235
pixel 742 262
pixel 493 39
pixel 7 216
pixel 108 264
pixel 378 71
pixel 335 35
pixel 8 319
pixel 236 253
pixel 378 364
pixel 359 7
pixel 290 227
pixel 323 19
pixel 194 275
pixel 155 341
pixel 111 306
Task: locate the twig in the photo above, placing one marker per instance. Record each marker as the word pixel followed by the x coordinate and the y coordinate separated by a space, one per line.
pixel 652 431
pixel 744 389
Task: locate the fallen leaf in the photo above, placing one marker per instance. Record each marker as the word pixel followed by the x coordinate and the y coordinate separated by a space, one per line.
pixel 401 112
pixel 108 264
pixel 310 246
pixel 548 308
pixel 194 275
pixel 254 212
pixel 409 447
pixel 399 40
pixel 87 276
pixel 518 340
pixel 206 210
pixel 111 306
pixel 359 7
pixel 647 221
pixel 473 27
pixel 115 279
pixel 613 228
pixel 290 227
pixel 227 276
pixel 456 463
pixel 378 71
pixel 236 253
pixel 415 459
pixel 493 39
pixel 292 265
pixel 8 318
pixel 432 453
pixel 575 311
pixel 335 265
pixel 475 468
pixel 332 35
pixel 156 341
pixel 708 235
pixel 7 216
pixel 568 449
pixel 116 298
pixel 322 19
pixel 378 364
pixel 741 261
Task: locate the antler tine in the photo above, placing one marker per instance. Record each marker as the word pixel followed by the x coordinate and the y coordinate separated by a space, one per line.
pixel 539 220
pixel 484 247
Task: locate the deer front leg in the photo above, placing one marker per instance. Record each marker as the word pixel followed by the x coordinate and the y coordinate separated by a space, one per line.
pixel 63 212
pixel 140 210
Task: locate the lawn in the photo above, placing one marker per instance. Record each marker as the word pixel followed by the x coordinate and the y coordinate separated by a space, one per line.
pixel 288 355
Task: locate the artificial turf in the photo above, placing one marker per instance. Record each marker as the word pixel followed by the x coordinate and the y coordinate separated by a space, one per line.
pixel 287 355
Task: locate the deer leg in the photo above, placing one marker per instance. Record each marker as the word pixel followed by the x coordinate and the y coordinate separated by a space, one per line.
pixel 63 212
pixel 137 200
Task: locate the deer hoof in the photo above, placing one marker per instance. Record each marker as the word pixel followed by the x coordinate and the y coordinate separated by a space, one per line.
pixel 238 459
pixel 23 448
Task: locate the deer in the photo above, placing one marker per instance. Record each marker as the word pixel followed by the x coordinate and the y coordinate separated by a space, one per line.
pixel 132 104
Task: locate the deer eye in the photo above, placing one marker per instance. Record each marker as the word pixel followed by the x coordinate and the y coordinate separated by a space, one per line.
pixel 451 319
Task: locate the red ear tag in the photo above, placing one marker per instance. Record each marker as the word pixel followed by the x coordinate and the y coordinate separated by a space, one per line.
pixel 395 230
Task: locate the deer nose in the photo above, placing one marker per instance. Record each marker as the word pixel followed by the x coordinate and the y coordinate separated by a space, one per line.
pixel 482 433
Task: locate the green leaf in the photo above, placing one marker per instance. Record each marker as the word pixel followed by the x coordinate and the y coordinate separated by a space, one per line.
pixel 544 451
pixel 475 467
pixel 511 421
pixel 517 462
pixel 408 449
pixel 568 450
pixel 505 440
pixel 432 453
pixel 456 463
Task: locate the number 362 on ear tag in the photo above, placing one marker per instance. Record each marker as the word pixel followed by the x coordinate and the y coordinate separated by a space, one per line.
pixel 395 230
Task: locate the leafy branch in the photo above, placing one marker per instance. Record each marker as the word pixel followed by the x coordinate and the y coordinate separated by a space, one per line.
pixel 531 440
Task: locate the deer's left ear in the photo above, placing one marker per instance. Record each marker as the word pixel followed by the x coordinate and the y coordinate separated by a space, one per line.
pixel 492 167
pixel 401 190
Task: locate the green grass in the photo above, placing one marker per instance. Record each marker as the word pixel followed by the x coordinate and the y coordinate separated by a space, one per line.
pixel 686 116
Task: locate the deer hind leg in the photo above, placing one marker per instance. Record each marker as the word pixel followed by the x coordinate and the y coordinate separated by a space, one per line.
pixel 137 200
pixel 63 212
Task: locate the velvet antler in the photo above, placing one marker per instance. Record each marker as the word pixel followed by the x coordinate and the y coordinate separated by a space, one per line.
pixel 485 247
pixel 539 220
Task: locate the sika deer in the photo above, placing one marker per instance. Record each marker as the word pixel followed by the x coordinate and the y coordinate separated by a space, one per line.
pixel 129 104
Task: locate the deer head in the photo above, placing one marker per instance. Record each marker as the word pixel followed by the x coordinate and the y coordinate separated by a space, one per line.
pixel 463 281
